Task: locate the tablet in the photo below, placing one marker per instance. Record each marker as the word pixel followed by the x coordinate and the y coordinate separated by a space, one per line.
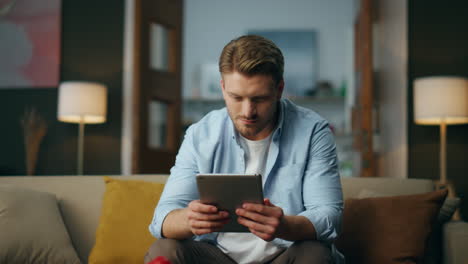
pixel 228 192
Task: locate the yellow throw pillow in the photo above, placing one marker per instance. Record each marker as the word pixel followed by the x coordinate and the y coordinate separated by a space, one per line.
pixel 127 209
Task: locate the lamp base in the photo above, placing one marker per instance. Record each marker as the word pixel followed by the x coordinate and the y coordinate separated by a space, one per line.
pixel 451 194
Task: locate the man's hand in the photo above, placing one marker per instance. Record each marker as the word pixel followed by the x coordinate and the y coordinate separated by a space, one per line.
pixel 264 220
pixel 203 218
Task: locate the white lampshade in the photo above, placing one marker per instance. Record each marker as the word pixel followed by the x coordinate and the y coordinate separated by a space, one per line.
pixel 441 99
pixel 82 102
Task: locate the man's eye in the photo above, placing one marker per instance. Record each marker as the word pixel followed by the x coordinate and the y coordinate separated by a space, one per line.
pixel 259 100
pixel 237 98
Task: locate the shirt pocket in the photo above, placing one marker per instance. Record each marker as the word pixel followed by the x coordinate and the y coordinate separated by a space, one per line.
pixel 287 187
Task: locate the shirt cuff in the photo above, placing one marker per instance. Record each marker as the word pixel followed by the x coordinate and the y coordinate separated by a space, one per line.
pixel 326 223
pixel 160 214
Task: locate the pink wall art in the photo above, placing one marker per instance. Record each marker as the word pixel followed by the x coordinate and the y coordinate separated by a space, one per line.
pixel 30 43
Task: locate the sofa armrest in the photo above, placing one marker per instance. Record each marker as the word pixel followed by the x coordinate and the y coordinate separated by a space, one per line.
pixel 455 235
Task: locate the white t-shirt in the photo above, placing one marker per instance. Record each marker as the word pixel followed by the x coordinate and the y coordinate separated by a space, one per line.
pixel 246 247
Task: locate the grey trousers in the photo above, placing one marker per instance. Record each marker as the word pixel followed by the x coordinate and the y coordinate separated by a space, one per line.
pixel 189 251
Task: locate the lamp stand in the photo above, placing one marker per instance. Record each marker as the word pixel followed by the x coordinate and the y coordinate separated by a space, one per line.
pixel 443 152
pixel 79 170
pixel 443 183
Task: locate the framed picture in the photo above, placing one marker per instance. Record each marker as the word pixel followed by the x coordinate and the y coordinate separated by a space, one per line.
pixel 210 78
pixel 30 43
pixel 300 51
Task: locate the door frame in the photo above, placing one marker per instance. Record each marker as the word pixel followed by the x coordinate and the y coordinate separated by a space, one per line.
pixel 129 96
pixel 135 153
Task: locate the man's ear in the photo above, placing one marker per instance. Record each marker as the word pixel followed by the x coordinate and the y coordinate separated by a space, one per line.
pixel 280 88
pixel 223 88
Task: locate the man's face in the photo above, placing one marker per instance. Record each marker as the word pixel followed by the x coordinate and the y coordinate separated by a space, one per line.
pixel 252 103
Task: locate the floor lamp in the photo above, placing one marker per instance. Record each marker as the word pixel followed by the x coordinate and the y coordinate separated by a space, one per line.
pixel 82 103
pixel 442 101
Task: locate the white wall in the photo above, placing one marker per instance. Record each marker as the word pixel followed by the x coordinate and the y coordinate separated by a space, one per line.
pixel 211 24
pixel 391 59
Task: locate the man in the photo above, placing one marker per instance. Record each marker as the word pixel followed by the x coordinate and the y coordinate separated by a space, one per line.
pixel 258 132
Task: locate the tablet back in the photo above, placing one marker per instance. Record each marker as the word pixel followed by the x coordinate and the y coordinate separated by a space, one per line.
pixel 228 192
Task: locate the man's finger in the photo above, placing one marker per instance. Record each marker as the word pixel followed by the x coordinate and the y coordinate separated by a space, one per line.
pixel 262 209
pixel 207 224
pixel 256 226
pixel 266 237
pixel 267 202
pixel 208 217
pixel 253 216
pixel 204 231
pixel 197 206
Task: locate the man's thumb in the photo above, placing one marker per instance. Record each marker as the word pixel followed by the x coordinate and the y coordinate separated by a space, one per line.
pixel 267 202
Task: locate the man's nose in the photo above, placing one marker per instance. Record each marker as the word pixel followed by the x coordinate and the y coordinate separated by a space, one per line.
pixel 248 109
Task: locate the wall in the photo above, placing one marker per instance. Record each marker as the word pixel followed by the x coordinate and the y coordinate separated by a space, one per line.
pixel 92 43
pixel 438 45
pixel 390 62
pixel 210 24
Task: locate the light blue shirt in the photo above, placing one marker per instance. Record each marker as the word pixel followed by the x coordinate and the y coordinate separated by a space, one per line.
pixel 301 174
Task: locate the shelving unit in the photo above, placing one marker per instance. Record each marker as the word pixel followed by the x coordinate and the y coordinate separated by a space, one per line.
pixel 331 108
pixel 296 99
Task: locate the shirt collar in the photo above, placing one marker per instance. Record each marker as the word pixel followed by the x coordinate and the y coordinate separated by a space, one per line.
pixel 282 109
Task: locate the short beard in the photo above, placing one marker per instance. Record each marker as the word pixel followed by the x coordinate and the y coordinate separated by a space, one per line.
pixel 256 130
pixel 248 132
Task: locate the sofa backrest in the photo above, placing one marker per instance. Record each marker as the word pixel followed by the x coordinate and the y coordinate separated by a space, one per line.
pixel 80 197
pixel 354 187
pixel 80 200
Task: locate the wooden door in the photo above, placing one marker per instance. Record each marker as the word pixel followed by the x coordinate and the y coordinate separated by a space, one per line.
pixel 156 119
pixel 363 109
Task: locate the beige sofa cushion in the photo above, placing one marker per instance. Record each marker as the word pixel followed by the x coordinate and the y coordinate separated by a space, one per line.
pixel 31 228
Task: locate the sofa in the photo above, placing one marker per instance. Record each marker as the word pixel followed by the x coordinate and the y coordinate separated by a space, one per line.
pixel 80 203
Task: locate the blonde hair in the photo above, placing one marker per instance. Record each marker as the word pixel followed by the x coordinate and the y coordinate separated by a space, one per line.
pixel 250 55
